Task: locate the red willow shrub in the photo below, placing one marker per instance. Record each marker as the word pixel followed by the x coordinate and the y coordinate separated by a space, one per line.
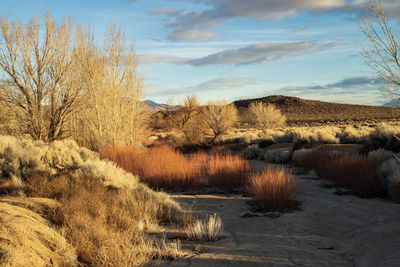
pixel 273 189
pixel 164 167
pixel 357 173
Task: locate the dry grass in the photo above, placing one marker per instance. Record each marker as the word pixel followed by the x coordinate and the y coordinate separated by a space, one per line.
pixel 210 229
pixel 8 188
pixel 273 189
pixel 164 167
pixel 26 238
pixel 357 173
pixel 106 225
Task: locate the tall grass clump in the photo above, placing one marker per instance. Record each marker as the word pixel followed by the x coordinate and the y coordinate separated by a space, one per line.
pixel 210 229
pixel 273 189
pixel 357 173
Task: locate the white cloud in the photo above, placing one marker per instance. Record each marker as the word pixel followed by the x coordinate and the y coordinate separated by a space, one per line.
pixel 190 35
pixel 150 58
pixel 224 82
pixel 219 11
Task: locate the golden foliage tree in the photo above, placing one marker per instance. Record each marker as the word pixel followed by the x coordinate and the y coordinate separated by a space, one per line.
pixel 114 114
pixel 266 116
pixel 59 82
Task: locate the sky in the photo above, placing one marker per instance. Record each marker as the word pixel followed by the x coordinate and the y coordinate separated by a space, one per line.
pixel 235 49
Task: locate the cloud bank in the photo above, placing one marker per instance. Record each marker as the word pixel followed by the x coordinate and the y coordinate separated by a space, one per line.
pixel 345 86
pixel 259 53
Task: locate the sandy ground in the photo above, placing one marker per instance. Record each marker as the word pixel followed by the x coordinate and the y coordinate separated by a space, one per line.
pixel 330 230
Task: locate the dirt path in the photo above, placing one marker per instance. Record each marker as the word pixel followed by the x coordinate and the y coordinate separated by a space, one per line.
pixel 330 230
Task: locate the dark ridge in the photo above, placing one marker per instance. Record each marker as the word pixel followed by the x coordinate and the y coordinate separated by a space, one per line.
pixel 298 110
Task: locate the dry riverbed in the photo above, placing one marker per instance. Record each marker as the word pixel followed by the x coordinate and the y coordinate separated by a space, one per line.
pixel 329 230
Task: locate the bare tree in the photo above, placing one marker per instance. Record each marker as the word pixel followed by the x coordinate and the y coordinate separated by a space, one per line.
pixel 186 120
pixel 266 116
pixel 219 117
pixel 384 51
pixel 38 64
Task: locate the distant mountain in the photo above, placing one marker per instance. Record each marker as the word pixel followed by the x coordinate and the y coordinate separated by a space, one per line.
pixel 393 103
pixel 156 106
pixel 298 110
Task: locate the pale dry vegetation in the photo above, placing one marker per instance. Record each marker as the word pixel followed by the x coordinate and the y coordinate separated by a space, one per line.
pixel 373 136
pixel 106 225
pixel 99 214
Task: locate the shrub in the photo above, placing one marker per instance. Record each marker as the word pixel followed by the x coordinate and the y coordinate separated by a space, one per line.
pixel 278 155
pixel 273 189
pixel 304 157
pixel 327 135
pixel 390 170
pixel 21 156
pixel 385 131
pixel 210 229
pixel 380 155
pixel 109 174
pixel 314 135
pixel 253 152
pixel 352 135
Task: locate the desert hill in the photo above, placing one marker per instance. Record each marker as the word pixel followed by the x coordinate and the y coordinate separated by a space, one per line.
pixel 299 110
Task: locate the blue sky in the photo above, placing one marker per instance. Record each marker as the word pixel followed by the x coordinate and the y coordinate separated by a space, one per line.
pixel 234 49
